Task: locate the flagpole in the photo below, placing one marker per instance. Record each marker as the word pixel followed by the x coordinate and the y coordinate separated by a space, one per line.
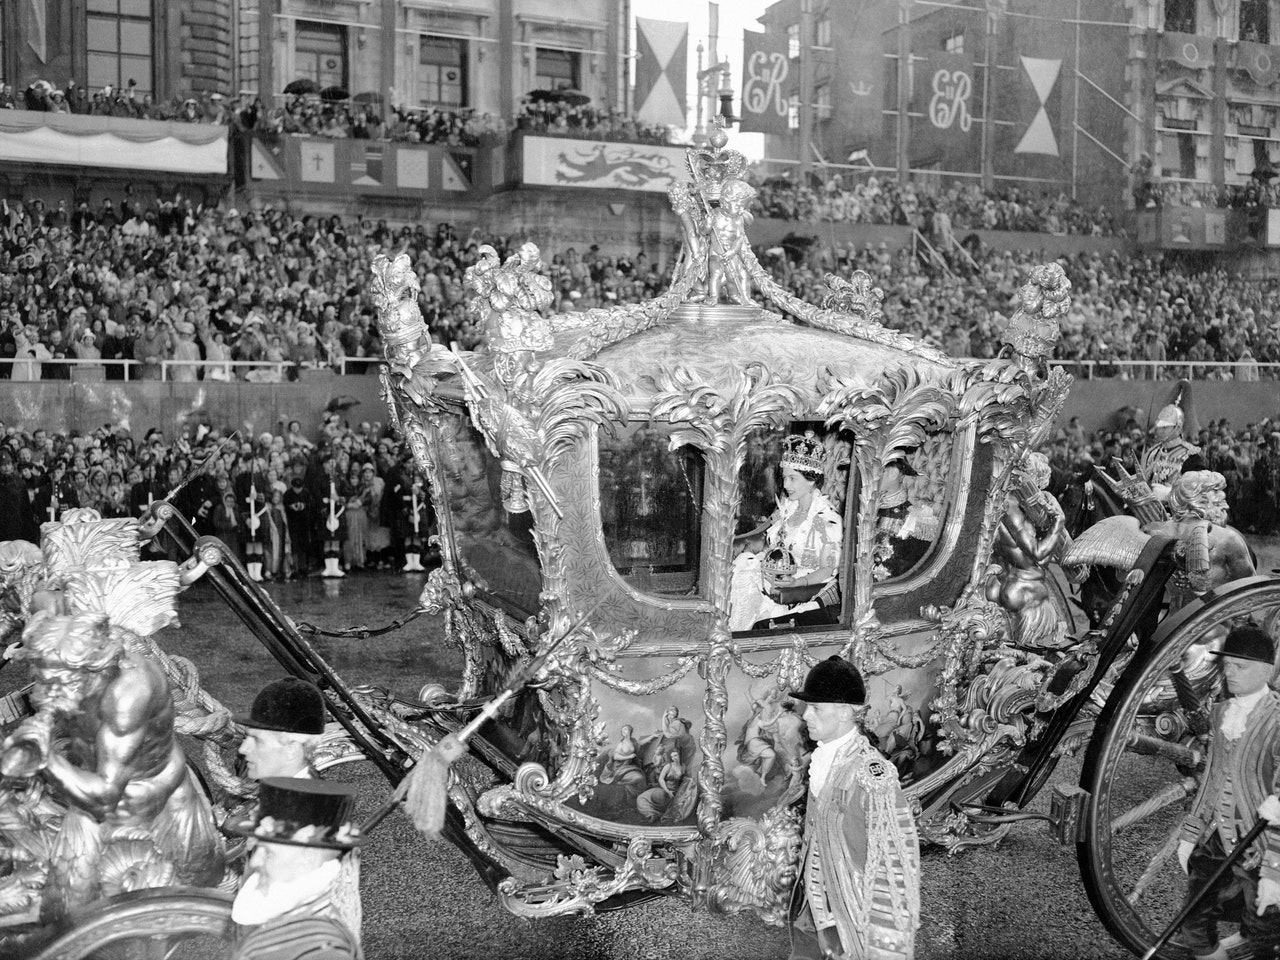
pixel 713 55
pixel 1075 118
pixel 806 86
pixel 904 83
pixel 988 122
pixel 628 46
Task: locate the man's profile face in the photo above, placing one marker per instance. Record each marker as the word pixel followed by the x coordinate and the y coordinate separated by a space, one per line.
pixel 277 864
pixel 825 720
pixel 1245 676
pixel 271 753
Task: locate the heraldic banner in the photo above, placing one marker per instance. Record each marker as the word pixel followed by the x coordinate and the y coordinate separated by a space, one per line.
pixel 766 78
pixel 948 94
pixel 662 67
pixel 561 162
pixel 856 42
pixel 1034 140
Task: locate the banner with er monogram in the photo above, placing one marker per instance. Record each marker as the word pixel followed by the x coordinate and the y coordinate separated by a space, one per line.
pixel 767 83
pixel 950 101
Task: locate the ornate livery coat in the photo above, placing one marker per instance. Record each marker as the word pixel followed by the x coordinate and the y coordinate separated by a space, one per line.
pixel 1252 763
pixel 860 867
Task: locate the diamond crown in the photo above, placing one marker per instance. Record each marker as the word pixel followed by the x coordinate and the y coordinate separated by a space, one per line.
pixel 804 452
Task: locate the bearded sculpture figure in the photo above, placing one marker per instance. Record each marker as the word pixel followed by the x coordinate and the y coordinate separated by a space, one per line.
pixel 1214 552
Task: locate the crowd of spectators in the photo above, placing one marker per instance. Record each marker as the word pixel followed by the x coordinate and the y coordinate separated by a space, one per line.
pixel 1248 459
pixel 1175 318
pixel 175 281
pixel 315 114
pixel 955 208
pixel 565 118
pixel 287 478
pixel 291 480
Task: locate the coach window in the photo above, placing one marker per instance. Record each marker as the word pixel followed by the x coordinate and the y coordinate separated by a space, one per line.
pixel 1180 16
pixel 442 72
pixel 120 46
pixel 320 53
pixel 558 70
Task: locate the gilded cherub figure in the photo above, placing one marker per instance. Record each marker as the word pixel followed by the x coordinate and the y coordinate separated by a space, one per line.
pixel 728 245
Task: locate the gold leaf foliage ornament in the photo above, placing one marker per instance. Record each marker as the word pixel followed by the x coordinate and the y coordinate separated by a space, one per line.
pixel 889 419
pixel 718 422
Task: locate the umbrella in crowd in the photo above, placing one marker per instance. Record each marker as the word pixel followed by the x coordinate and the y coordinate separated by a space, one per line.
pixel 334 94
pixel 342 402
pixel 301 87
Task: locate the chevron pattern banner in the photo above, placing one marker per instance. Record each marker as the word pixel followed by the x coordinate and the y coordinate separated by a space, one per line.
pixel 662 67
pixel 1039 136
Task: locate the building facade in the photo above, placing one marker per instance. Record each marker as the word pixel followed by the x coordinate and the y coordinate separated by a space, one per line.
pixel 1078 96
pixel 449 54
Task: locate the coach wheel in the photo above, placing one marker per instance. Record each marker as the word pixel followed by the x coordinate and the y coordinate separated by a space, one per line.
pixel 1145 760
pixel 145 925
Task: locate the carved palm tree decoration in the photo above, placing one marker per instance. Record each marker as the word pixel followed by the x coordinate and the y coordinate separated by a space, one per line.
pixel 888 419
pixel 718 423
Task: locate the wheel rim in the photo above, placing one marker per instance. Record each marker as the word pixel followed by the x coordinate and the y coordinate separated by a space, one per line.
pixel 145 923
pixel 1144 765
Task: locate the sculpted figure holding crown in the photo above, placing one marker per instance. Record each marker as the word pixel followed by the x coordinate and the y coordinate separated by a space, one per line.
pixel 786 571
pixel 728 226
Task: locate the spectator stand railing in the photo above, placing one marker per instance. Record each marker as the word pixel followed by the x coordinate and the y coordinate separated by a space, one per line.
pixel 20 369
pixel 1123 369
pixel 280 371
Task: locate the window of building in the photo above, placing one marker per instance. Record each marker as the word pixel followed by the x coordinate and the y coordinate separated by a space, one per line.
pixel 793 40
pixel 1255 21
pixel 1261 160
pixel 822 102
pixel 954 43
pixel 1180 16
pixel 822 35
pixel 120 46
pixel 1178 155
pixel 558 70
pixel 442 72
pixel 793 114
pixel 320 52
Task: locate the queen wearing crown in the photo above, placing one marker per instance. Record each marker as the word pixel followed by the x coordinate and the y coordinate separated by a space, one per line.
pixel 791 573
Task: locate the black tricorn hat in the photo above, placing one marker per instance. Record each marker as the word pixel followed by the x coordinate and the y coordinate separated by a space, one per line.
pixel 834 680
pixel 304 813
pixel 1248 642
pixel 289 705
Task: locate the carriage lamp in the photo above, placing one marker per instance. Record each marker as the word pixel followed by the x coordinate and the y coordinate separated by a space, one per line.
pixel 726 97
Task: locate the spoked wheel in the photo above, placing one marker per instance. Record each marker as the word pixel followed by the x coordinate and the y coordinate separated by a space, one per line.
pixel 1145 760
pixel 146 925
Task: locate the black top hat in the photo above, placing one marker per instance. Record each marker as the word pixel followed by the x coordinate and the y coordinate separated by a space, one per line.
pixel 304 813
pixel 834 680
pixel 289 706
pixel 1248 643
